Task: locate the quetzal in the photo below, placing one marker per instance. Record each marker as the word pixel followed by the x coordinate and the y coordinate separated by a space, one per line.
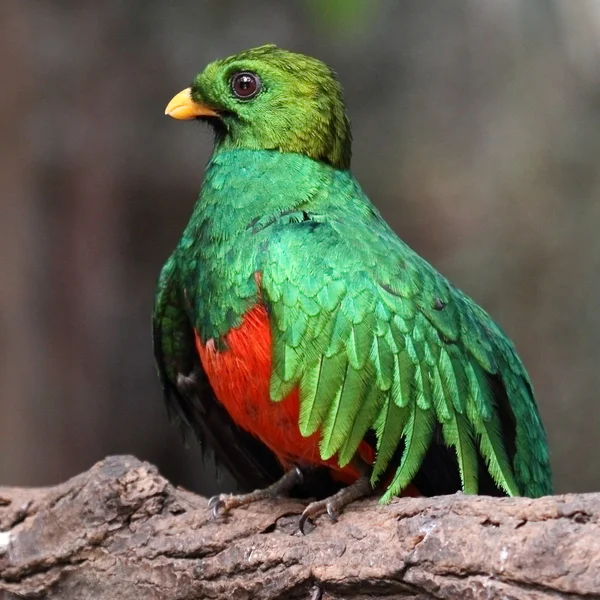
pixel 296 333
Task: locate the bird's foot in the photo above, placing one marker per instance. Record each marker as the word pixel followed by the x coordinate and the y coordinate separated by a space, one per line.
pixel 224 503
pixel 335 504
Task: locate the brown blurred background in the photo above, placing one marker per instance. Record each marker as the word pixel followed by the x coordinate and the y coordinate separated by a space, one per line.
pixel 477 133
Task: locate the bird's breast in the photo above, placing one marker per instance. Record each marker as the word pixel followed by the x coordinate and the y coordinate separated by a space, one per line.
pixel 239 375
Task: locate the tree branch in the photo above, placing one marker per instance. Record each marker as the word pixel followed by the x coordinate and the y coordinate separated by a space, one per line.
pixel 120 530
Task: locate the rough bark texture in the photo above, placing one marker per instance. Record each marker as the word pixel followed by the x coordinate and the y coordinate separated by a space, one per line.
pixel 120 530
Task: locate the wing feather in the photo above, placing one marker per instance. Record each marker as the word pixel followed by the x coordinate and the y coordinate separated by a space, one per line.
pixel 387 344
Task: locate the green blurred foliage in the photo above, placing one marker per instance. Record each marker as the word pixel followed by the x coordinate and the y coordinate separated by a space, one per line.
pixel 343 16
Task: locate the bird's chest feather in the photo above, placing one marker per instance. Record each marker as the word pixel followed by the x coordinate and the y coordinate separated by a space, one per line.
pixel 239 374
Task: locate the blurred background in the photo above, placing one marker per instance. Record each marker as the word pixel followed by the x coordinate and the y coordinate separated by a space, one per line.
pixel 477 134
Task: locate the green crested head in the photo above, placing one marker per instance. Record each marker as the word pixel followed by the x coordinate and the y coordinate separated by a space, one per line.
pixel 267 98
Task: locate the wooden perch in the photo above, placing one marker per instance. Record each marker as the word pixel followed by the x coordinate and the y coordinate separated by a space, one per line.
pixel 120 530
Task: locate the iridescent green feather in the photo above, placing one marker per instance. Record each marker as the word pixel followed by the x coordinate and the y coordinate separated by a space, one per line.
pixel 417 434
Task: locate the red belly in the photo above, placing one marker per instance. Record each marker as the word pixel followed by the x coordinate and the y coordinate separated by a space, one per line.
pixel 240 378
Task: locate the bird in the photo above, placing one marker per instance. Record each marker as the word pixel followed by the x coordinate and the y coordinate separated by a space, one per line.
pixel 299 337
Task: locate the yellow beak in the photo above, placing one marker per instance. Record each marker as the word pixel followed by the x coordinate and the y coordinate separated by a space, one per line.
pixel 183 107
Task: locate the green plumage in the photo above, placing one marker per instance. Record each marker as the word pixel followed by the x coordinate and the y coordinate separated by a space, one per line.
pixel 371 334
pixel 401 351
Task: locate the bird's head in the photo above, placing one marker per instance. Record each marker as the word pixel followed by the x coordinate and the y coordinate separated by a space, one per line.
pixel 267 98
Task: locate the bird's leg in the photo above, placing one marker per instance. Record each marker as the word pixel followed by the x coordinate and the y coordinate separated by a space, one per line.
pixel 336 503
pixel 223 503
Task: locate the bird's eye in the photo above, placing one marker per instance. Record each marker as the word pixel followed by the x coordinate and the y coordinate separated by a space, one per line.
pixel 245 85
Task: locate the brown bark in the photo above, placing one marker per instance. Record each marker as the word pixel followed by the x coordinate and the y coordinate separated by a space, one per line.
pixel 120 530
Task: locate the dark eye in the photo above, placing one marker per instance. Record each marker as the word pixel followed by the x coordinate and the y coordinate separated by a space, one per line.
pixel 245 85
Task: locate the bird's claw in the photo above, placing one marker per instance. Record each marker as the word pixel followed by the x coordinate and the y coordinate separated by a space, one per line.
pixel 302 522
pixel 336 503
pixel 218 506
pixel 334 515
pixel 315 509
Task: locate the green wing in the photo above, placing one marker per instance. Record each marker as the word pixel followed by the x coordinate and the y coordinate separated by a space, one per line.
pixel 172 334
pixel 376 339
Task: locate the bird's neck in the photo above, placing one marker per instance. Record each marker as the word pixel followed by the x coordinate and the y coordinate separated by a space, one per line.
pixel 243 189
